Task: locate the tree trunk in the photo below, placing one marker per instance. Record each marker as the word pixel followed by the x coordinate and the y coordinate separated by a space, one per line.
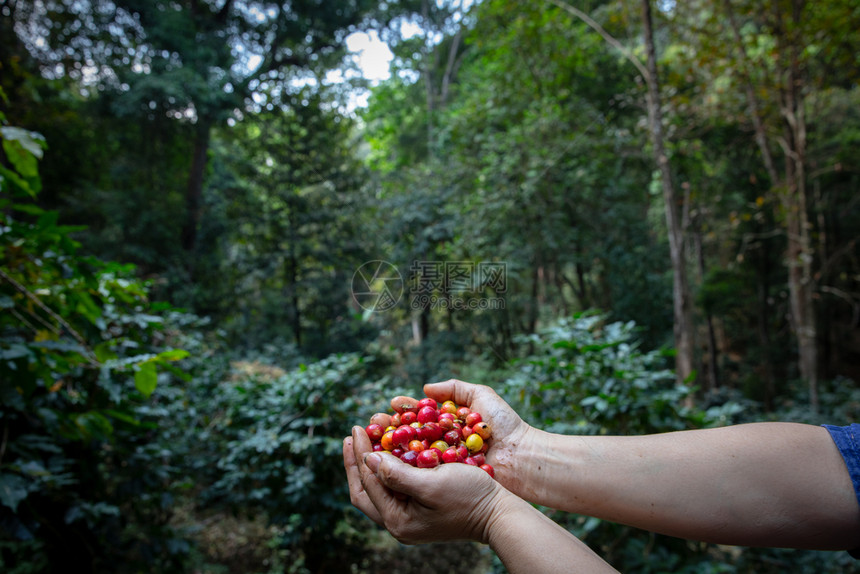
pixel 194 191
pixel 682 310
pixel 533 308
pixel 800 252
pixel 791 187
pixel 764 339
pixel 713 359
pixel 799 256
pixel 293 274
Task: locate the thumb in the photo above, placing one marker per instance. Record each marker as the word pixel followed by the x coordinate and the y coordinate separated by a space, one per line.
pixel 460 392
pixel 396 474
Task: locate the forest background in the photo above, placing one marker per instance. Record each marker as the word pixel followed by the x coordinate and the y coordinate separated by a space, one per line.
pixel 626 217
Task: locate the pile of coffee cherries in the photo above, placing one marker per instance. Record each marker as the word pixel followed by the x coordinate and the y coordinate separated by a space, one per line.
pixel 428 434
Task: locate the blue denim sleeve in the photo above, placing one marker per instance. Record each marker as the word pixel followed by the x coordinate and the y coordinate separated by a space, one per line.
pixel 846 439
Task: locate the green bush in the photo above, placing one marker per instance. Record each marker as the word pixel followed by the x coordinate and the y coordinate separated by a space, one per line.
pixel 83 485
pixel 259 441
pixel 589 376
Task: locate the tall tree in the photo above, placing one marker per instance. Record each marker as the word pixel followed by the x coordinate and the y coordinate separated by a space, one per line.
pixel 684 327
pixel 199 61
pixel 288 187
pixel 683 308
pixel 777 83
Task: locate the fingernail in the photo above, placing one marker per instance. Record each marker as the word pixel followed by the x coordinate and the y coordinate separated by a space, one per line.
pixel 372 461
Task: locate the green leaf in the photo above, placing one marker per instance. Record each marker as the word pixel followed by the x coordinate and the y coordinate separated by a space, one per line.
pixel 87 307
pixel 26 208
pixel 31 141
pixel 16 181
pixel 146 378
pixel 13 489
pixel 125 417
pixel 552 386
pixel 177 371
pixel 173 355
pixel 91 425
pixel 24 162
pixel 104 352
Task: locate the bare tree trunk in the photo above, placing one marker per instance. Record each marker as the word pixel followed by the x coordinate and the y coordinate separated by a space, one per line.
pixel 683 321
pixel 682 307
pixel 535 299
pixel 764 341
pixel 430 90
pixel 800 255
pixel 791 187
pixel 194 191
pixel 713 371
pixel 293 273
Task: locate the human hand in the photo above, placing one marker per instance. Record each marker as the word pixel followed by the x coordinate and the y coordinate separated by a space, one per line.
pixel 449 502
pixel 511 434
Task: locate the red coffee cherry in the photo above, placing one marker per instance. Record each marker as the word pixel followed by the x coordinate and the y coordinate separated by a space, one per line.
pixel 452 437
pixel 375 432
pixel 427 402
pixel 473 418
pixel 410 457
pixel 425 434
pixel 428 458
pixel 427 415
pixel 450 455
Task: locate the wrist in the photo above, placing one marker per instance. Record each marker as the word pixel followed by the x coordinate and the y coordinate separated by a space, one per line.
pixel 551 469
pixel 498 526
pixel 533 465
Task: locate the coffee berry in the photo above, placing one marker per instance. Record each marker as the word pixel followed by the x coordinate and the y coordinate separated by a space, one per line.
pixel 428 434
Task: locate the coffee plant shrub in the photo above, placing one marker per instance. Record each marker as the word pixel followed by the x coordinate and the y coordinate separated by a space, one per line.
pixel 266 440
pixel 587 375
pixel 83 485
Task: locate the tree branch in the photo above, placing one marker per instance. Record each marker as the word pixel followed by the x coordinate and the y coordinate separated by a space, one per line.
pixel 643 71
pixel 752 101
pixel 32 297
pixel 221 16
pixel 449 68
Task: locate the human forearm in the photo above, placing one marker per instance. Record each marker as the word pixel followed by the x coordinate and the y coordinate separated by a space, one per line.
pixel 774 484
pixel 527 542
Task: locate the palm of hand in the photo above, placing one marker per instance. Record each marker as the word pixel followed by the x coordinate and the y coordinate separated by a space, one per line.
pixel 509 430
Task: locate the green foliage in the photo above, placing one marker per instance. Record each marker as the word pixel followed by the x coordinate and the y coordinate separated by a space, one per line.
pixel 81 350
pixel 286 232
pixel 262 440
pixel 587 375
